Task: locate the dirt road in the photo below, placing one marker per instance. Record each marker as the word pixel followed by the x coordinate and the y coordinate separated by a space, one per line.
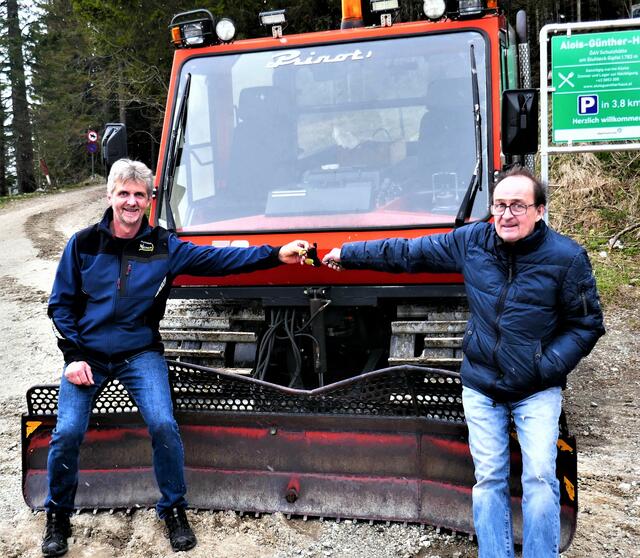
pixel 602 403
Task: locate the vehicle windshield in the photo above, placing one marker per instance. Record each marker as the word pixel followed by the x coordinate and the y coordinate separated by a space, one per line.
pixel 360 135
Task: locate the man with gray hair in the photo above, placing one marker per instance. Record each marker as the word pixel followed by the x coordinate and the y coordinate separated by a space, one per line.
pixel 108 297
pixel 125 170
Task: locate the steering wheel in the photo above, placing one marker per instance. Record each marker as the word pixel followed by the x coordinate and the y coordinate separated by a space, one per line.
pixel 385 131
pixel 387 191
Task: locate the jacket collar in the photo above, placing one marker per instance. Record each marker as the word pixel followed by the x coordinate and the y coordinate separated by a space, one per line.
pixel 104 225
pixel 525 245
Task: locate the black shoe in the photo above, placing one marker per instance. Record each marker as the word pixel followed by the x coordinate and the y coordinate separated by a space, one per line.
pixel 180 534
pixel 56 532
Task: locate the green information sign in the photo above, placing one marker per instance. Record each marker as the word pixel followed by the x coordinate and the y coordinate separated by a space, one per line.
pixel 596 81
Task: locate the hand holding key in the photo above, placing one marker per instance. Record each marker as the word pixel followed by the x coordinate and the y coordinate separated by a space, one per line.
pixel 332 259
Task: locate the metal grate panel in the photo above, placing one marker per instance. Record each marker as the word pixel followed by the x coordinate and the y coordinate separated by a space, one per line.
pixel 398 391
pixel 407 391
pixel 111 398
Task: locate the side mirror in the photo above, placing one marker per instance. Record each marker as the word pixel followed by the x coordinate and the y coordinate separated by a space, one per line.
pixel 519 121
pixel 114 143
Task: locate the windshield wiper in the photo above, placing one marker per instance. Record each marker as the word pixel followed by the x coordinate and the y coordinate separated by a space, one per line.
pixel 173 152
pixel 475 184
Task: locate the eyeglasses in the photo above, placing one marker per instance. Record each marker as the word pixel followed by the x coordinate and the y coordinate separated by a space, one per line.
pixel 515 208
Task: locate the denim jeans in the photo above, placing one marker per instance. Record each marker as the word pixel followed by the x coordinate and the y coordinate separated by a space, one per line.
pixel 536 421
pixel 145 376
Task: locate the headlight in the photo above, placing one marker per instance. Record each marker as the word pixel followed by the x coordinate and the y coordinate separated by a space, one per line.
pixel 434 9
pixel 274 17
pixel 192 29
pixel 385 5
pixel 192 34
pixel 226 30
pixel 470 7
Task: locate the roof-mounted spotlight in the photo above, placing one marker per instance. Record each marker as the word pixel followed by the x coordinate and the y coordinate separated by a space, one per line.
pixel 475 8
pixel 225 30
pixel 434 9
pixel 387 10
pixel 192 29
pixel 470 7
pixel 276 19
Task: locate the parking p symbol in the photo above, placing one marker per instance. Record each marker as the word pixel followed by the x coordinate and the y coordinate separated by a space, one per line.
pixel 587 104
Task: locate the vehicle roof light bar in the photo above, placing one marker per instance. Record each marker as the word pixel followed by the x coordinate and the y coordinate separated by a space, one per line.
pixel 276 19
pixel 188 30
pixel 387 9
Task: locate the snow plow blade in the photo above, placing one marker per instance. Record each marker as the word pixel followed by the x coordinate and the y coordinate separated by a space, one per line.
pixel 389 445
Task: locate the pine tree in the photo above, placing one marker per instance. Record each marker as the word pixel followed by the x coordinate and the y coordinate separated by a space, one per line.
pixel 131 41
pixel 64 70
pixel 21 122
pixel 4 184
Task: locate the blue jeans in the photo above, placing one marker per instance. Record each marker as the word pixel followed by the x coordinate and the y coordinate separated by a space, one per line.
pixel 146 378
pixel 536 421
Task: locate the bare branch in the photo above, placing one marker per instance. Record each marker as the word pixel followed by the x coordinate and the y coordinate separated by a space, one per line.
pixel 614 239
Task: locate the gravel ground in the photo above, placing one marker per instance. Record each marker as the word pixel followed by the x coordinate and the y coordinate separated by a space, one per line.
pixel 601 403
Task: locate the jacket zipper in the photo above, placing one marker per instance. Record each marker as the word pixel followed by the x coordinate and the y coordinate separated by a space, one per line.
pixel 500 309
pixel 114 306
pixel 583 297
pixel 121 286
pixel 125 278
pixel 124 271
pixel 121 282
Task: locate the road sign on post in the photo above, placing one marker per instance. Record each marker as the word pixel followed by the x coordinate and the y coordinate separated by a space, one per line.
pixel 92 147
pixel 596 86
pixel 608 32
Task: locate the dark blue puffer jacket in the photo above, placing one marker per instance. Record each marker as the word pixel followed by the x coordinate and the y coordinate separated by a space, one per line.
pixel 109 294
pixel 534 306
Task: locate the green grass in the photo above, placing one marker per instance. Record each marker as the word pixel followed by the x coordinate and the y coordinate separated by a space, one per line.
pixel 617 275
pixel 617 271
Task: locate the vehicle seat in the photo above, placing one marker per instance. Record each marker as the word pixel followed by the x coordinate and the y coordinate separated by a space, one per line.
pixel 446 141
pixel 263 149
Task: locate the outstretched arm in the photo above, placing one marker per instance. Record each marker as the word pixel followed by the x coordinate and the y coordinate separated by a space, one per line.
pixel 435 253
pixel 193 259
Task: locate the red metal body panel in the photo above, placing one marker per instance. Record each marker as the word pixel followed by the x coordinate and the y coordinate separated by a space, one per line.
pixel 305 275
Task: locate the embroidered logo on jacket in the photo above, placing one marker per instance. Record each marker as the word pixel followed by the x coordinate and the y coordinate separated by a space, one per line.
pixel 145 246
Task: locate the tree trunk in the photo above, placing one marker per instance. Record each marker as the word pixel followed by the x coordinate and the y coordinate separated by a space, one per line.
pixel 4 186
pixel 21 123
pixel 122 104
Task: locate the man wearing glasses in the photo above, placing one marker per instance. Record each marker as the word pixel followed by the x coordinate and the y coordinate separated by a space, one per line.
pixel 534 314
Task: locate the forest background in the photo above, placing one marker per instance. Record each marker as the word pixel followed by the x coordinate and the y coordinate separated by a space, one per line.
pixel 69 66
